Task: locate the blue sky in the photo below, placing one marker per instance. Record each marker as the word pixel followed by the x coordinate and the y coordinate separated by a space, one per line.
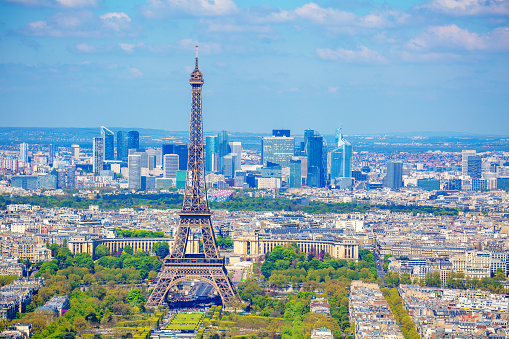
pixel 370 66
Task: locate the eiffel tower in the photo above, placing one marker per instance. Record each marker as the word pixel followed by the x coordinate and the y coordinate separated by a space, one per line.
pixel 207 266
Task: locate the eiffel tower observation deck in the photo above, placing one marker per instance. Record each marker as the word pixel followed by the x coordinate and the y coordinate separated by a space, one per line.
pixel 207 266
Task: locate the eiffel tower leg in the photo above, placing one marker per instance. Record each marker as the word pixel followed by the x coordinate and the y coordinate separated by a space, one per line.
pixel 224 286
pixel 158 295
pixel 209 240
pixel 180 243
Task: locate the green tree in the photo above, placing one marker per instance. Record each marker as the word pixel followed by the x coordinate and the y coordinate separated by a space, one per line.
pixel 135 297
pixel 128 249
pixel 83 260
pixel 101 251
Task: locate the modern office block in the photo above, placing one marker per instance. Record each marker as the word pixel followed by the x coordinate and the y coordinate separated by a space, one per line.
pixel 341 158
pixel 134 167
pixel 51 154
pixel 229 165
pixel 223 148
pixel 474 166
pixel 98 154
pixel 70 174
pixel 465 154
pixel 122 145
pixel 133 140
pixel 394 178
pixel 211 153
pixel 23 152
pixel 171 165
pixel 75 150
pixel 316 151
pixel 278 150
pixel 109 143
pixel 295 173
pixel 179 149
pixel 181 179
pixel 429 184
pixel 236 150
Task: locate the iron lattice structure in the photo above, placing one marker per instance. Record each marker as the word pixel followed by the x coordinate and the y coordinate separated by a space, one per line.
pixel 208 266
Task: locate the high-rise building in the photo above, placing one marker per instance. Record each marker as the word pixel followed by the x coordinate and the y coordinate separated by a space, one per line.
pixel 394 178
pixel 23 152
pixel 122 145
pixel 133 141
pixel 465 154
pixel 180 149
pixel 171 165
pixel 316 151
pixel 295 172
pixel 109 143
pixel 223 148
pixel 278 149
pixel 229 161
pixel 98 154
pixel 211 153
pixel 236 150
pixel 474 166
pixel 341 158
pixel 134 169
pixel 70 173
pixel 75 151
pixel 51 154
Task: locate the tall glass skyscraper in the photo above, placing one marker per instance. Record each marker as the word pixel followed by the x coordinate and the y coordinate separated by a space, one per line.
pixel 295 173
pixel 134 169
pixel 394 178
pixel 109 143
pixel 122 145
pixel 98 154
pixel 223 148
pixel 211 153
pixel 133 140
pixel 316 151
pixel 341 158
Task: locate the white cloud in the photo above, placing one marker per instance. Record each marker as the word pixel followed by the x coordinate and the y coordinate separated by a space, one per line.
pixel 329 16
pixel 362 55
pixel 164 8
pixel 232 27
pixel 452 37
pixel 129 48
pixel 84 48
pixel 332 89
pixel 469 7
pixel 134 73
pixel 58 3
pixel 81 24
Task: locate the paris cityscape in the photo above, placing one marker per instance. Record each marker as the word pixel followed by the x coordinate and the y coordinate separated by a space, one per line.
pixel 335 169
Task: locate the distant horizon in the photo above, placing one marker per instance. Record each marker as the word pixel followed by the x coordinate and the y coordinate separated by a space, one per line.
pixel 407 134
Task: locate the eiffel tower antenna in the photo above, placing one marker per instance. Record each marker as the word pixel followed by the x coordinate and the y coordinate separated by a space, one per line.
pixel 179 265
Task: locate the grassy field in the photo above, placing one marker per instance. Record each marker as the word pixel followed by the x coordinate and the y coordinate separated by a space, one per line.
pixel 185 322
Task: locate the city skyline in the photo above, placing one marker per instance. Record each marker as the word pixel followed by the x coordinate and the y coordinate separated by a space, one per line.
pixel 370 67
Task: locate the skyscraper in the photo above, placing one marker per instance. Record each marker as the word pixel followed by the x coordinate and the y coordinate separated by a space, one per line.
pixel 211 153
pixel 134 169
pixel 98 154
pixel 180 150
pixel 70 173
pixel 109 143
pixel 295 172
pixel 474 167
pixel 465 154
pixel 133 140
pixel 23 152
pixel 236 150
pixel 316 151
pixel 341 158
pixel 223 148
pixel 278 149
pixel 51 154
pixel 394 178
pixel 122 145
pixel 171 165
pixel 75 151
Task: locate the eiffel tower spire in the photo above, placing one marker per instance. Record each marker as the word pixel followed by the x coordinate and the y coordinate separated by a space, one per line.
pixel 179 265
